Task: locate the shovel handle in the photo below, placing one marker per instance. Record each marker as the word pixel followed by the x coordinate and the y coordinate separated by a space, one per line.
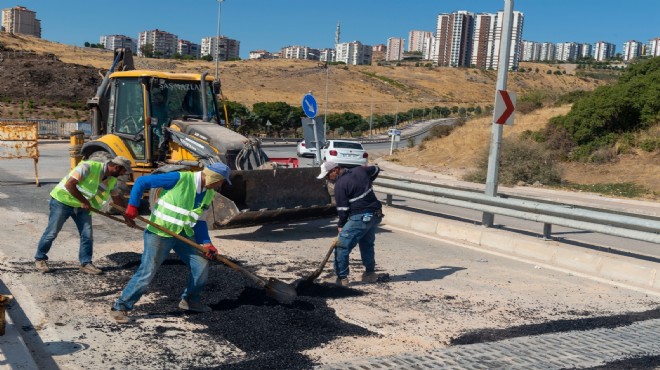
pixel 259 281
pixel 114 218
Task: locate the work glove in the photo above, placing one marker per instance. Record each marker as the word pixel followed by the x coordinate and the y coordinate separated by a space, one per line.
pixel 131 212
pixel 211 251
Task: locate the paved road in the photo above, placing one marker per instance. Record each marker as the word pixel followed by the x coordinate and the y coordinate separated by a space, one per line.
pixel 438 292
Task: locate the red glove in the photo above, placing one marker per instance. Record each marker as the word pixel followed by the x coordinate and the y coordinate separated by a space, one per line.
pixel 131 212
pixel 211 251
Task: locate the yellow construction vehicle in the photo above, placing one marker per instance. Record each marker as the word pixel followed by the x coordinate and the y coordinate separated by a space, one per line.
pixel 166 121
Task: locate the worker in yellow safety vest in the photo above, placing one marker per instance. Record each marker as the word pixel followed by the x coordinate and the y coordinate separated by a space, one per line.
pixel 89 185
pixel 181 208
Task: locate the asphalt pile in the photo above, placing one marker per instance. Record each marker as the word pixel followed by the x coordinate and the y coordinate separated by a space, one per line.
pixel 270 335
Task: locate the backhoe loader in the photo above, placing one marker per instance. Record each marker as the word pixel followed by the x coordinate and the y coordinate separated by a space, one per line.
pixel 166 121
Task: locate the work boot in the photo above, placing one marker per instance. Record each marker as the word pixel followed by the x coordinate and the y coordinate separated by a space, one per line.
pixel 42 266
pixel 342 282
pixel 88 268
pixel 120 316
pixel 194 306
pixel 370 277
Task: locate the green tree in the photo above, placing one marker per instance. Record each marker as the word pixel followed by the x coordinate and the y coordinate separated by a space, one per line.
pixel 277 113
pixel 147 50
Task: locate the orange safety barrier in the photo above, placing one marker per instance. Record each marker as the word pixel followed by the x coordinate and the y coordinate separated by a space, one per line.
pixel 19 140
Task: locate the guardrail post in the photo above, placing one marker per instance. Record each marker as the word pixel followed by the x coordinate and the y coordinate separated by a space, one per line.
pixel 547 231
pixel 389 200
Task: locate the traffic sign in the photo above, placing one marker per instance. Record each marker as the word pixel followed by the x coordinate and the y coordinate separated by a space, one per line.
pixel 309 105
pixel 505 106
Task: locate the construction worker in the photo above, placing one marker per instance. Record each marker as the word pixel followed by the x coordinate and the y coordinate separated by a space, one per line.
pixel 89 184
pixel 359 212
pixel 181 208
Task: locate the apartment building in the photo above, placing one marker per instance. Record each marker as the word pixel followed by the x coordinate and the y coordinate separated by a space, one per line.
pixel 566 51
pixel 163 43
pixel 395 49
pixel 585 50
pixel 653 47
pixel 354 53
pixel 328 55
pixel 185 47
pixel 515 43
pixel 548 51
pixel 483 40
pixel 300 52
pixel 418 39
pixel 21 20
pixel 112 42
pixel 604 50
pixel 454 39
pixel 228 49
pixel 531 51
pixel 631 50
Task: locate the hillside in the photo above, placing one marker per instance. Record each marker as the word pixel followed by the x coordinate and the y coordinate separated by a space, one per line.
pixel 350 88
pixel 41 79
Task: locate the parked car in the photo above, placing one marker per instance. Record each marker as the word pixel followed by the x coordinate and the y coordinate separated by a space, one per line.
pixel 305 150
pixel 345 153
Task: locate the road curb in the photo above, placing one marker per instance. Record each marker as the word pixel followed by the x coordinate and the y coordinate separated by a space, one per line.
pixel 13 351
pixel 616 269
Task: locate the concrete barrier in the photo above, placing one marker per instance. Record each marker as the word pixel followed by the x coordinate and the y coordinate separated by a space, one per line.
pixel 617 269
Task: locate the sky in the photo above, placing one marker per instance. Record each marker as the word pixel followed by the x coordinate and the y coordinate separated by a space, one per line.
pixel 272 25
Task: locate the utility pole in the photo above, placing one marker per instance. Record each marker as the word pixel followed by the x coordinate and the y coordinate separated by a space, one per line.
pixel 217 41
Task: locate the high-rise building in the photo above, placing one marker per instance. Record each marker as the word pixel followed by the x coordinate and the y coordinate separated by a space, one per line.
pixel 395 48
pixel 260 54
pixel 21 20
pixel 354 53
pixel 531 51
pixel 604 50
pixel 482 42
pixel 418 39
pixel 653 47
pixel 515 42
pixel 488 38
pixel 585 50
pixel 185 47
pixel 548 50
pixel 454 39
pixel 631 50
pixel 163 43
pixel 566 51
pixel 228 49
pixel 112 42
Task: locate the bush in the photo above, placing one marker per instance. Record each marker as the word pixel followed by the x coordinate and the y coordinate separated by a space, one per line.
pixel 650 144
pixel 520 160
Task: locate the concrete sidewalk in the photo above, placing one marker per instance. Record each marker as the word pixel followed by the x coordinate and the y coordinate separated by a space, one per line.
pixel 14 353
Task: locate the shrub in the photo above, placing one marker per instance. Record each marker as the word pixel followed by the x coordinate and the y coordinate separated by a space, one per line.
pixel 520 160
pixel 650 144
pixel 411 142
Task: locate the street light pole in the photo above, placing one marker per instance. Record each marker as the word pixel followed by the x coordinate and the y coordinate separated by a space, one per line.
pixel 371 117
pixel 217 41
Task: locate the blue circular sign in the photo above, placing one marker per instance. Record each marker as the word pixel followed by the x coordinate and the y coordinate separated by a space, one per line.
pixel 309 105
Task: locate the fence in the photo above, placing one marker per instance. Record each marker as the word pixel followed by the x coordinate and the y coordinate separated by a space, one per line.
pixel 54 129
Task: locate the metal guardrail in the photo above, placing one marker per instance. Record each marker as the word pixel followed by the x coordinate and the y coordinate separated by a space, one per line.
pixel 626 225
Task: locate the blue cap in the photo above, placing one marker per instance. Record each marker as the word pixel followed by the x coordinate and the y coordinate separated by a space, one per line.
pixel 222 169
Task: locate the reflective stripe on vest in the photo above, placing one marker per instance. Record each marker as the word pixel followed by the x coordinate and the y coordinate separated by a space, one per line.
pixel 175 209
pixel 89 187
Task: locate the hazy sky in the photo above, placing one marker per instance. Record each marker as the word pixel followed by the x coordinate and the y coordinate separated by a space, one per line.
pixel 271 25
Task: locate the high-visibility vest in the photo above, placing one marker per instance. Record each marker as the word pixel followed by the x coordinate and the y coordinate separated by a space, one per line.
pixel 175 209
pixel 90 187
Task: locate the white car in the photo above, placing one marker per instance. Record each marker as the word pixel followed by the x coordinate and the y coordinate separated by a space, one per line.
pixel 345 153
pixel 303 150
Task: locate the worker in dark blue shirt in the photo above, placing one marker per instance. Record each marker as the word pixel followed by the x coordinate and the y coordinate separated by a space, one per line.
pixel 359 212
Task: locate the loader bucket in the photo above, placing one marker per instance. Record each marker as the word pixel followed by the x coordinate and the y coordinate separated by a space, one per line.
pixel 271 195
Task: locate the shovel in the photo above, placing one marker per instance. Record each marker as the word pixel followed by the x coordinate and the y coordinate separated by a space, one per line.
pixel 310 279
pixel 277 289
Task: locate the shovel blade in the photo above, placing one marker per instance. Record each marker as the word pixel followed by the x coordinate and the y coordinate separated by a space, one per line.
pixel 281 291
